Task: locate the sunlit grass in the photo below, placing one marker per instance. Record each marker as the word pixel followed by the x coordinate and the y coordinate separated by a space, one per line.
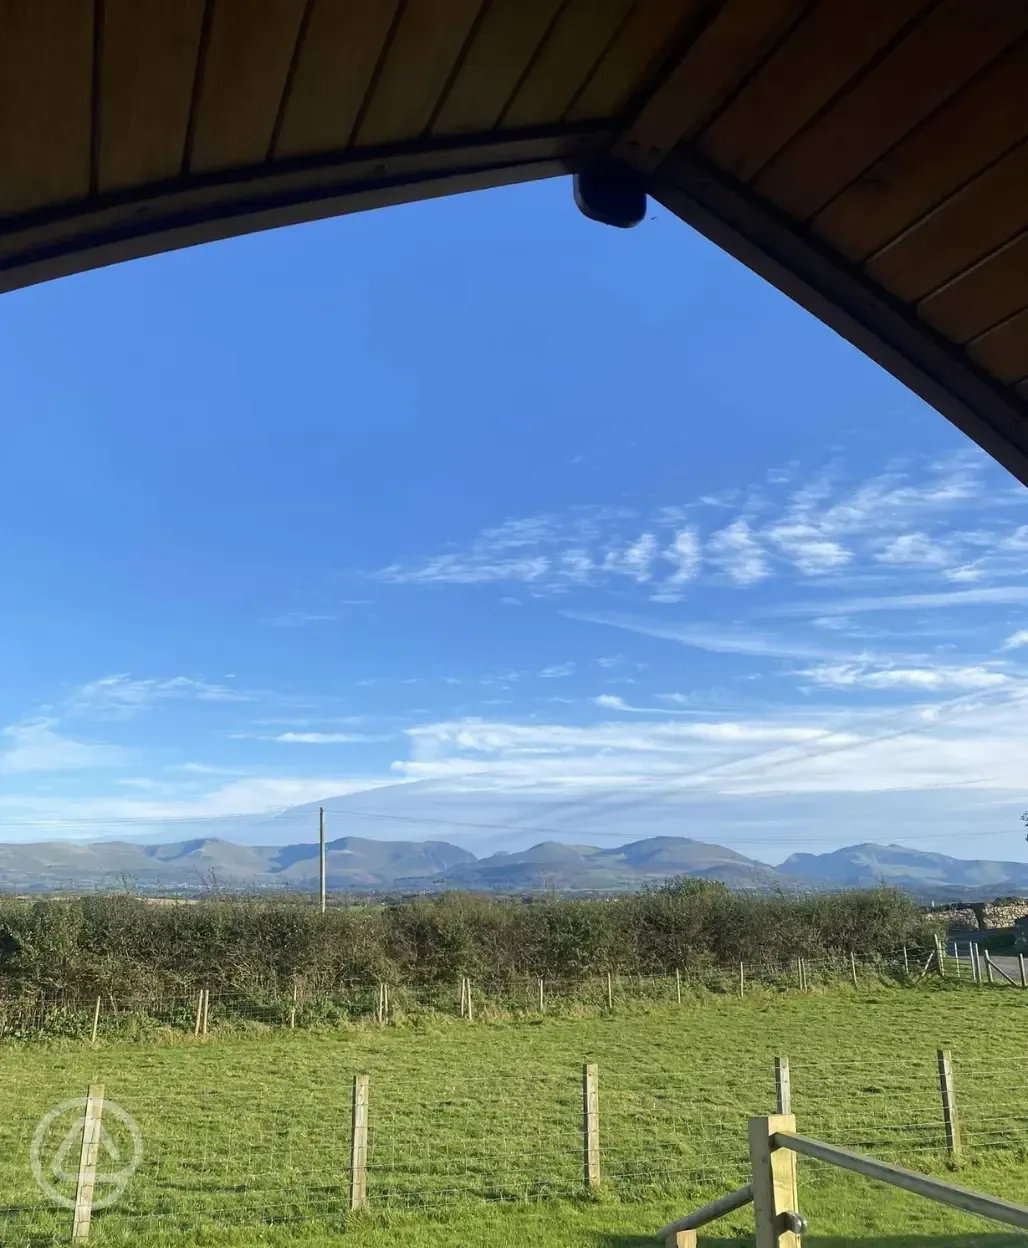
pixel 476 1128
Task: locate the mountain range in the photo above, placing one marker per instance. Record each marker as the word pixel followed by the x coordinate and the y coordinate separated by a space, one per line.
pixel 359 864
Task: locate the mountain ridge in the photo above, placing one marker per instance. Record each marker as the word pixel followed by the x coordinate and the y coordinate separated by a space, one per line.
pixel 361 864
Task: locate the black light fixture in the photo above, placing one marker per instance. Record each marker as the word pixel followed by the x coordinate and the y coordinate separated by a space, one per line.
pixel 612 193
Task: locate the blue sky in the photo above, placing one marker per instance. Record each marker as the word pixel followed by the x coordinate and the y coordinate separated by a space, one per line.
pixel 477 506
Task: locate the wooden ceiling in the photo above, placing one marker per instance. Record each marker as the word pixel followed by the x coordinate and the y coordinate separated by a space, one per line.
pixel 869 157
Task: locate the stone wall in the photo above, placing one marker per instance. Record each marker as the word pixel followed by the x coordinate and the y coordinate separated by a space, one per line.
pixel 983 915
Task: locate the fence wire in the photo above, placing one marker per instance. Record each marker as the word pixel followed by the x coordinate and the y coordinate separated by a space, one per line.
pixel 222 1148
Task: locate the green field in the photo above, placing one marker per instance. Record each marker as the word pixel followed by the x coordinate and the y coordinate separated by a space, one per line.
pixel 475 1129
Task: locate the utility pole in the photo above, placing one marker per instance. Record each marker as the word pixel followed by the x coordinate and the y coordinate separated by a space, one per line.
pixel 321 831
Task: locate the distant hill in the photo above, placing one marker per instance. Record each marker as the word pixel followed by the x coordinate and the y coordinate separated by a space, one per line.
pixel 362 864
pixel 859 866
pixel 583 867
pixel 351 863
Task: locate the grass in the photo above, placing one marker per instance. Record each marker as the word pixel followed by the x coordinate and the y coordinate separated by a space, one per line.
pixel 475 1128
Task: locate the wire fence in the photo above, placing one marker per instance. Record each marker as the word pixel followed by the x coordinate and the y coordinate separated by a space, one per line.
pixel 108 1015
pixel 224 1153
pixel 272 1141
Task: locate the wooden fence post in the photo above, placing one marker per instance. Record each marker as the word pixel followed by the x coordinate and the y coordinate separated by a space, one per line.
pixel 542 999
pixel 591 1124
pixel 949 1104
pixel 678 986
pixel 199 1013
pixel 940 954
pixel 87 1162
pixel 988 967
pixel 783 1086
pixel 292 1012
pixel 774 1182
pixel 471 1013
pixel 976 970
pixel 610 991
pixel 206 1008
pixel 906 962
pixel 463 996
pixel 742 980
pixel 853 967
pixel 359 1144
pixel 96 1022
pixel 1020 967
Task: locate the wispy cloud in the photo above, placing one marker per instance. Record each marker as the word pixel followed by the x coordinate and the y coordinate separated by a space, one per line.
pixel 913 550
pixel 310 738
pixel 739 554
pixel 996 594
pixel 37 746
pixel 818 531
pixel 711 637
pixel 557 671
pixel 121 697
pixel 1015 640
pixel 869 676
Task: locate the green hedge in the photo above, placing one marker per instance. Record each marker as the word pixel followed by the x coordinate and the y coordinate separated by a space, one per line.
pixel 124 944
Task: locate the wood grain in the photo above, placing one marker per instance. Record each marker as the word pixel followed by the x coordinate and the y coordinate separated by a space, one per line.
pixel 146 87
pixel 46 85
pixel 342 45
pixel 642 46
pixel 737 37
pixel 831 45
pixel 941 53
pixel 573 48
pixel 504 44
pixel 951 146
pixel 989 293
pixel 1003 351
pixel 966 227
pixel 426 46
pixel 248 56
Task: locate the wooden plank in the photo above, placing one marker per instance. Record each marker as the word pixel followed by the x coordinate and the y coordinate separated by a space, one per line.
pixel 334 68
pixel 952 145
pixel 783 1086
pixel 204 210
pixel 591 1125
pixel 427 44
pixel 745 225
pixel 147 74
pixel 88 1155
pixel 502 49
pixel 1004 350
pixel 643 44
pixel 736 38
pixel 924 1185
pixel 974 222
pixel 992 291
pixel 951 1119
pixel 359 1144
pixel 774 1182
pixel 941 53
pixel 709 1213
pixel 571 51
pixel 249 50
pixel 46 88
pixel 826 49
